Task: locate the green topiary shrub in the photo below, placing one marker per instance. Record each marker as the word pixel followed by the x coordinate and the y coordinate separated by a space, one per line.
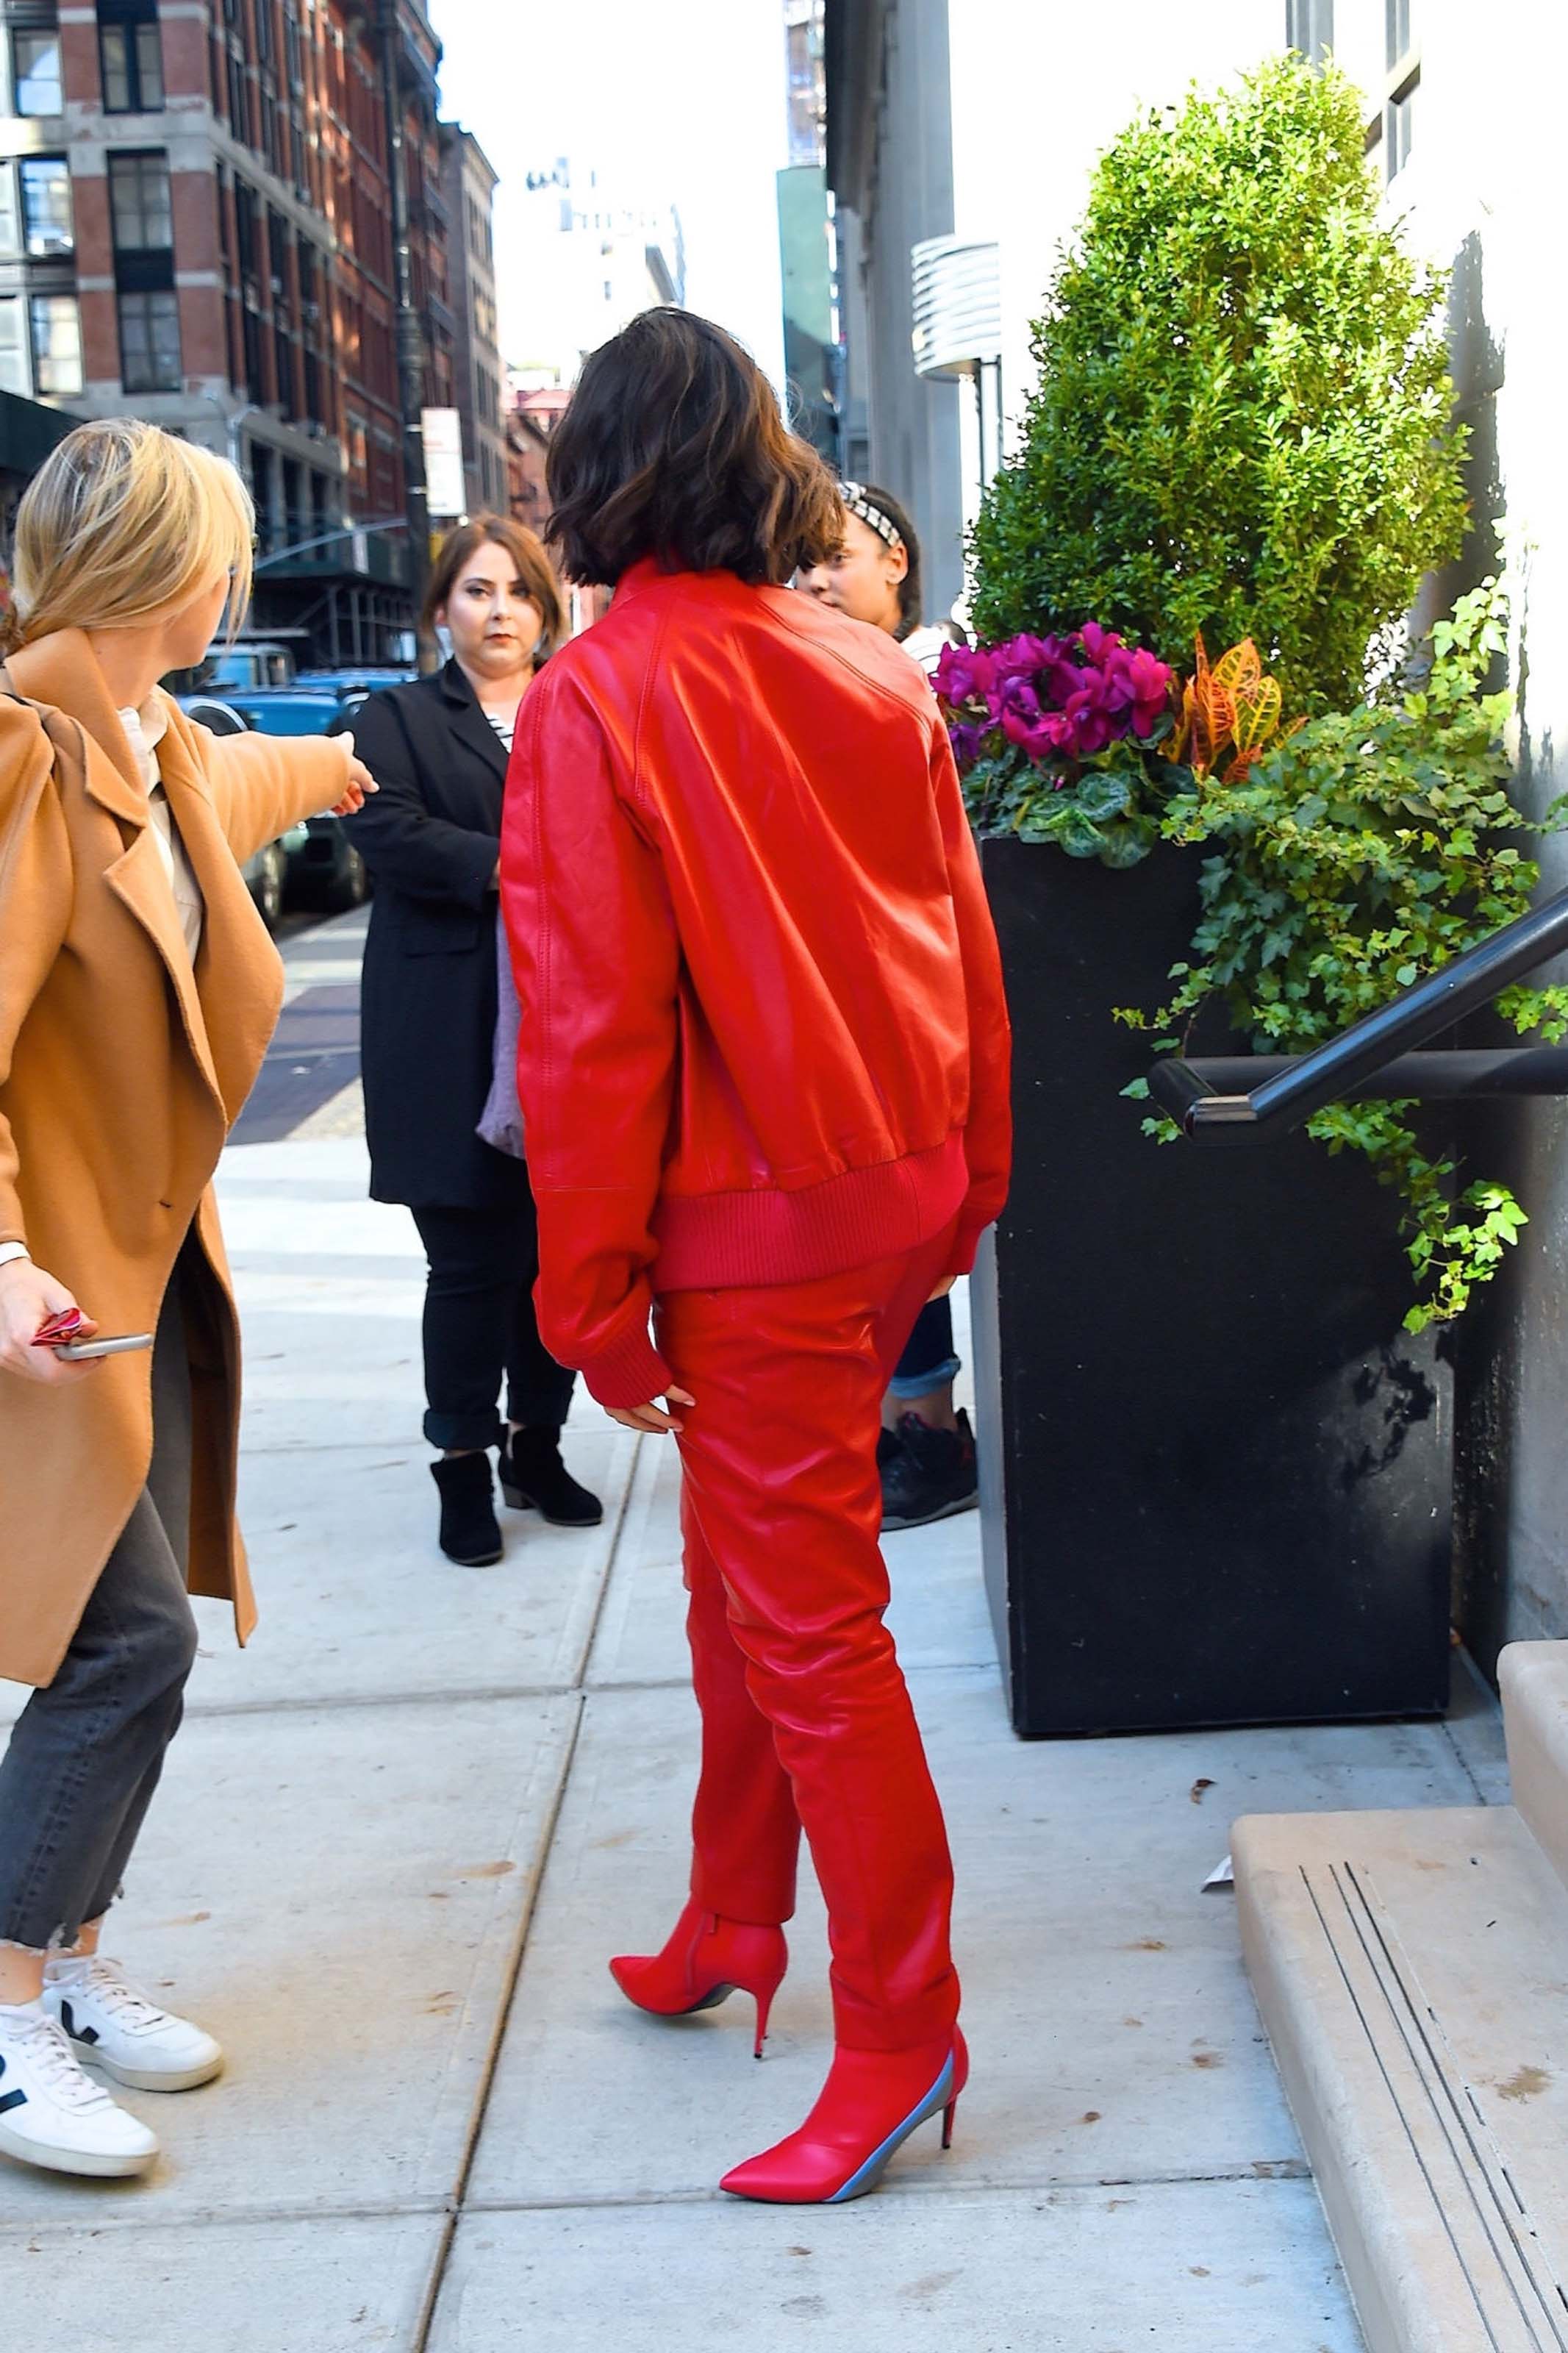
pixel 1243 418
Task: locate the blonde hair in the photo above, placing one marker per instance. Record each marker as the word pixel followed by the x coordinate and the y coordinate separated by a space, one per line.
pixel 121 520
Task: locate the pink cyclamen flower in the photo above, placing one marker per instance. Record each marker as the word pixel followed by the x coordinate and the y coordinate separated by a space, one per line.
pixel 966 742
pixel 1098 644
pixel 966 674
pixel 1148 682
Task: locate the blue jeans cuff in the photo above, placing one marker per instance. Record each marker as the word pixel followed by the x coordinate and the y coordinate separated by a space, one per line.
pixel 904 1386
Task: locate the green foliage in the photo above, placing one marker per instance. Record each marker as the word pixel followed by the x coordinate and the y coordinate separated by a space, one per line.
pixel 1242 424
pixel 1109 809
pixel 1361 854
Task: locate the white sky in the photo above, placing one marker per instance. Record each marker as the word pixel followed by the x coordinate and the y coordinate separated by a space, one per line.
pixel 672 101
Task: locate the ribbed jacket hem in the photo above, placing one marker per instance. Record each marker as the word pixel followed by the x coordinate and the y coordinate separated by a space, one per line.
pixel 724 1241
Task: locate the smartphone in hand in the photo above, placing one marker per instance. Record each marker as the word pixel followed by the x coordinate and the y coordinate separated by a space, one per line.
pixel 121 1344
pixel 58 1333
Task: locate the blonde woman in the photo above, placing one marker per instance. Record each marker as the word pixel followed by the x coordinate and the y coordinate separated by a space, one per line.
pixel 137 991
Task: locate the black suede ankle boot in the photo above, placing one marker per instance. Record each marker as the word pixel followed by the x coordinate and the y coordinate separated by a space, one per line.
pixel 471 1532
pixel 534 1476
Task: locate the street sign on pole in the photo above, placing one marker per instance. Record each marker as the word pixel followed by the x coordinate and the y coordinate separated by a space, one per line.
pixel 444 490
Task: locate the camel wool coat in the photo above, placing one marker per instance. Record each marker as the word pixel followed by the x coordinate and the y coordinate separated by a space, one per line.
pixel 122 1071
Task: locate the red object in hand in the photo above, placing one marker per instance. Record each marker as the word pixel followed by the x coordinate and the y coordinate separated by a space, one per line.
pixel 56 1330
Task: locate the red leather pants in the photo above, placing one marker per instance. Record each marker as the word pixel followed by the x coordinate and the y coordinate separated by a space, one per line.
pixel 807 1719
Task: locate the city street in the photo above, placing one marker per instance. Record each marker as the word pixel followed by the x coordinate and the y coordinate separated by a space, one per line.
pixel 400 1836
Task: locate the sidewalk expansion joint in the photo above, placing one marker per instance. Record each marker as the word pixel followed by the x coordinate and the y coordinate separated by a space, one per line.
pixel 1289 2170
pixel 612 1554
pixel 329 1703
pixel 511 1976
pixel 98 2217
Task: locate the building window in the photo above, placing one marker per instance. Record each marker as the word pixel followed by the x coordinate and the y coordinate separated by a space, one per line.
pixel 10 219
pixel 261 480
pixel 36 59
pixel 150 342
pixel 56 346
pixel 1395 127
pixel 132 57
pixel 140 201
pixel 1310 27
pixel 283 367
pixel 238 104
pixel 47 205
pixel 15 375
pixel 1400 124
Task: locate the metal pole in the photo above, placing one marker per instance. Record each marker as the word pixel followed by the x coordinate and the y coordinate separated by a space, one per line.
pixel 410 335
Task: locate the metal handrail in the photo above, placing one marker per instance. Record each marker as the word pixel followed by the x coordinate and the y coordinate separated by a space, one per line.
pixel 1376 1058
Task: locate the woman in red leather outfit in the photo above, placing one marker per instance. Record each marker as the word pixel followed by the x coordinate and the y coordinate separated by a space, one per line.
pixel 763 1071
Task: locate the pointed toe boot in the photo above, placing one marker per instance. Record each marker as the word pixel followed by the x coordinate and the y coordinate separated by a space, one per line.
pixel 705 1960
pixel 870 2103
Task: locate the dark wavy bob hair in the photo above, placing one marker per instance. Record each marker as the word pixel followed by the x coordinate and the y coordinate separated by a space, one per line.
pixel 673 447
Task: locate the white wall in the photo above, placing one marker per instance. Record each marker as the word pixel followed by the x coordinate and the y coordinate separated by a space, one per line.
pixel 1483 192
pixel 1040 89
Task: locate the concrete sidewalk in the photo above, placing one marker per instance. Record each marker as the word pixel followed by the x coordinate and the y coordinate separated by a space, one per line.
pixel 399 1837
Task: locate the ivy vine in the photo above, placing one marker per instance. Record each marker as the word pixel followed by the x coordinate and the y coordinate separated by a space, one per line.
pixel 1363 853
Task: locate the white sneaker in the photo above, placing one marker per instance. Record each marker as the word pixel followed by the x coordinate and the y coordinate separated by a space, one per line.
pixel 115 2027
pixel 54 2115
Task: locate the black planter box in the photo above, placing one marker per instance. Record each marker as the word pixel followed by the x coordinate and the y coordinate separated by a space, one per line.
pixel 1217 1473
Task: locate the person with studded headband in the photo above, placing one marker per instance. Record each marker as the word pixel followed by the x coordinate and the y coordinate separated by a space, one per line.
pixel 926 1455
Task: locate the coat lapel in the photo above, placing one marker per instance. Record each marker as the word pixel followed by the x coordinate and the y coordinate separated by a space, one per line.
pixel 468 721
pixel 61 672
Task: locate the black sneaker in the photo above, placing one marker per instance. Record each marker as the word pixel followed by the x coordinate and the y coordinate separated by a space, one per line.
pixel 932 1476
pixel 471 1532
pixel 534 1478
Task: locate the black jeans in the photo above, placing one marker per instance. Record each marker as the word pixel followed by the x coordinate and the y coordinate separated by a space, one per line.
pixel 86 1753
pixel 929 1360
pixel 480 1327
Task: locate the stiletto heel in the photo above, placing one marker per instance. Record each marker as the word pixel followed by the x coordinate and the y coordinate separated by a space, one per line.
pixel 706 1959
pixel 870 2103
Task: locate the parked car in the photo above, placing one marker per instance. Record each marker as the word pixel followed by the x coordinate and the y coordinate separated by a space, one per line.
pixel 325 869
pixel 267 872
pixel 261 661
pixel 360 683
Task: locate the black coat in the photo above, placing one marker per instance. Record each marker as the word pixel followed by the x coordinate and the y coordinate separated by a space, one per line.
pixel 431 838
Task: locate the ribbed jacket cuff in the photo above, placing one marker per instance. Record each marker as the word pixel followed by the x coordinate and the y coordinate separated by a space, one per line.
pixel 966 1242
pixel 630 1374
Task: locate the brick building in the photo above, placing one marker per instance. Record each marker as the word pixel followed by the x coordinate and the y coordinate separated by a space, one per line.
pixel 470 182
pixel 532 418
pixel 195 227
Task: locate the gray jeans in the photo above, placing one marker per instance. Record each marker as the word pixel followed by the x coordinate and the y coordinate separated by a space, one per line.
pixel 87 1752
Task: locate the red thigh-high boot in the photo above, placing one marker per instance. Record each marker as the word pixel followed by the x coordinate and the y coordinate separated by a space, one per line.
pixel 745 1832
pixel 780 1459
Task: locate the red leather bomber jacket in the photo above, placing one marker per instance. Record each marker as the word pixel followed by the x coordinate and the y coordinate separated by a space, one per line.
pixel 764 1036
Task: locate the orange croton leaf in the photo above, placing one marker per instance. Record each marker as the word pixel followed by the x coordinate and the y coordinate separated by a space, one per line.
pixel 1228 705
pixel 1257 716
pixel 1241 667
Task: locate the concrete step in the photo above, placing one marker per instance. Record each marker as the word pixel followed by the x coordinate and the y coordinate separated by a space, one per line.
pixel 1534 1680
pixel 1411 1970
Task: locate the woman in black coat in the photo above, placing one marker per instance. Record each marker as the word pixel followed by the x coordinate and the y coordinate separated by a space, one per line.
pixel 439 748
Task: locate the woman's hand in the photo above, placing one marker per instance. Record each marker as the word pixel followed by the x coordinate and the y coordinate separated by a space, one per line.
pixel 361 784
pixel 942 1289
pixel 649 1417
pixel 29 1297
